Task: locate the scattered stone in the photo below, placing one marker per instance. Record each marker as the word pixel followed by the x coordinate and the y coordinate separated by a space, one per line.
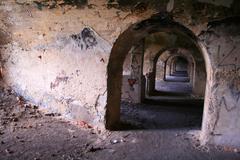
pixel 95 149
pixel 40 124
pixel 73 136
pixel 134 140
pixel 15 119
pixel 236 150
pixel 115 141
pixel 22 141
pixel 52 114
pixel 53 155
pixel 83 124
pixel 112 151
pixel 8 151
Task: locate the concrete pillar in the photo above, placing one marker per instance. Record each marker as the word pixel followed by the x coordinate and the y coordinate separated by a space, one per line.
pixel 150 83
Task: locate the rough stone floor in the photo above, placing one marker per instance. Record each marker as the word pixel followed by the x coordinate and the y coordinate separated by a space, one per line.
pixel 149 133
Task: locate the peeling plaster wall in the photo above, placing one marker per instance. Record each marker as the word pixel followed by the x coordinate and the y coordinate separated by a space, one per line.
pixel 56 76
pixel 57 59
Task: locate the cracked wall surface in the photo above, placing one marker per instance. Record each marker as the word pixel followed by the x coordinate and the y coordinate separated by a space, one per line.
pixel 222 115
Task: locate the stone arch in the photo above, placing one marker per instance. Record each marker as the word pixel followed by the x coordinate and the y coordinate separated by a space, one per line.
pixel 181 64
pixel 160 22
pixel 198 72
pixel 187 56
pixel 172 60
pixel 151 79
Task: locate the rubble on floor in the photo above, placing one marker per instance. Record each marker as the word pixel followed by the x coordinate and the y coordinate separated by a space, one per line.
pixel 28 134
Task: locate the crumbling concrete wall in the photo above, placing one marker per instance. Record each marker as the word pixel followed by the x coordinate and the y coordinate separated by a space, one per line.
pixel 222 114
pixel 56 58
pixel 59 76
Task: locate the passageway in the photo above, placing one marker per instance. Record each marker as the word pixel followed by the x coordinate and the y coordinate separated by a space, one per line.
pixel 160 84
pixel 173 77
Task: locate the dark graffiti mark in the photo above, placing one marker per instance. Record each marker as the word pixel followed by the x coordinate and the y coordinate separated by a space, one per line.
pixel 132 82
pixel 86 39
pixel 224 95
pixel 78 72
pixel 218 53
pixel 129 97
pixel 230 92
pixel 216 120
pixel 225 90
pixel 58 80
pixel 135 66
pixel 229 107
pixel 98 103
pixel 231 98
pixel 89 38
pixel 223 60
pixel 213 108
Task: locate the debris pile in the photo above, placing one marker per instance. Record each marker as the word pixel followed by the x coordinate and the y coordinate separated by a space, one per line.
pixel 13 108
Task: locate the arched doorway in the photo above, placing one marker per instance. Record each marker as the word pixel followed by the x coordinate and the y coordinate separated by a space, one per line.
pixel 131 37
pixel 183 76
pixel 178 69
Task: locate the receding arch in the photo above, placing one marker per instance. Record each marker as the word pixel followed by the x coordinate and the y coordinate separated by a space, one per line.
pixel 161 22
pixel 172 61
pixel 176 61
pixel 183 52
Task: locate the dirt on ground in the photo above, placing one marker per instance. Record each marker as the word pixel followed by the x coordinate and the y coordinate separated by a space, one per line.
pixel 28 134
